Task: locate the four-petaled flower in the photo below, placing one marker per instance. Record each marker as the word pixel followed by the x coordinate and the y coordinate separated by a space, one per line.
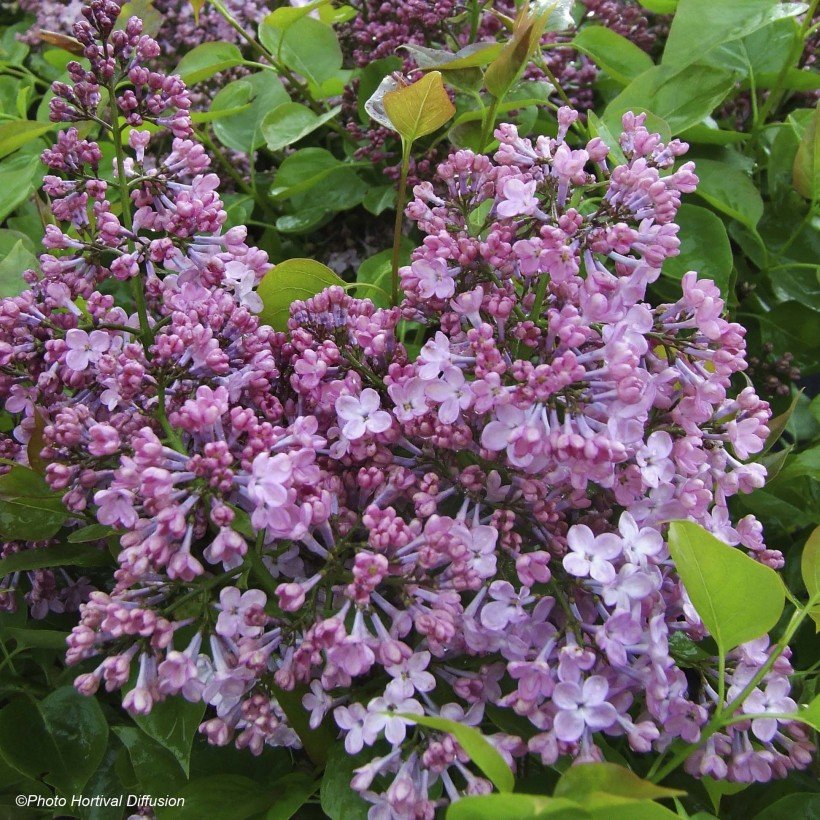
pixel 591 555
pixel 518 198
pixel 85 348
pixel 361 414
pixel 385 713
pixel 582 707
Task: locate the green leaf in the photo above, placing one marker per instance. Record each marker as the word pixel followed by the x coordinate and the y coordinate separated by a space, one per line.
pixel 338 800
pixel 806 171
pixel 582 780
pixel 302 170
pixel 144 9
pixel 291 793
pixel 303 221
pixel 19 175
pixel 616 55
pixel 290 122
pixel 480 750
pixel 660 6
pixel 18 259
pixel 377 271
pixel 316 741
pixel 105 783
pixel 154 766
pixel 800 806
pixel 810 570
pixel 12 50
pixel 700 25
pixel 208 59
pixel 29 509
pixel 341 190
pixel 704 247
pixel 220 797
pixel 173 723
pixel 16 133
pixel 600 129
pixel 515 807
pixel 720 581
pixel 260 92
pixel 380 199
pixel 93 532
pixel 717 789
pixel 708 133
pixel 307 46
pixel 289 281
pixel 729 190
pixel 36 638
pixel 777 425
pixel 336 15
pixel 62 738
pixel 681 95
pixel 420 108
pixel 791 327
pixel 612 810
pixel 810 714
pixel 471 56
pixel 283 18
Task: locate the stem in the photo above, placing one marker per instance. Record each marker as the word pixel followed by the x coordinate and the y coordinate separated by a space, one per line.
pixel 254 560
pixel 397 233
pixel 723 716
pixel 278 66
pixel 776 94
pixel 238 28
pixel 236 176
pixel 489 122
pixel 207 584
pixel 475 16
pixel 540 293
pixel 173 437
pixel 125 204
pixel 721 679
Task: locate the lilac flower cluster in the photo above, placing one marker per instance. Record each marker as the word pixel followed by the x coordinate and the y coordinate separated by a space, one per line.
pixel 381 27
pixel 481 524
pixel 179 29
pixel 73 359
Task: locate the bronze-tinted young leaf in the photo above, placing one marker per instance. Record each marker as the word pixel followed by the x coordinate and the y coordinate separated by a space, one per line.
pixel 196 7
pixel 505 69
pixel 419 109
pixel 70 44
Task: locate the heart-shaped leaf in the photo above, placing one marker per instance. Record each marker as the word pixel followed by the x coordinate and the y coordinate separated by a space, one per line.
pixel 721 581
pixel 420 108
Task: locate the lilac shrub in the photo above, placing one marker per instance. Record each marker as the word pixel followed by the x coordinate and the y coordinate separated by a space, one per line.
pixel 474 526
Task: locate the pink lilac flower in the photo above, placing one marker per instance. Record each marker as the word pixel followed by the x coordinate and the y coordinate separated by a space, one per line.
pixel 582 706
pixel 361 415
pixel 509 553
